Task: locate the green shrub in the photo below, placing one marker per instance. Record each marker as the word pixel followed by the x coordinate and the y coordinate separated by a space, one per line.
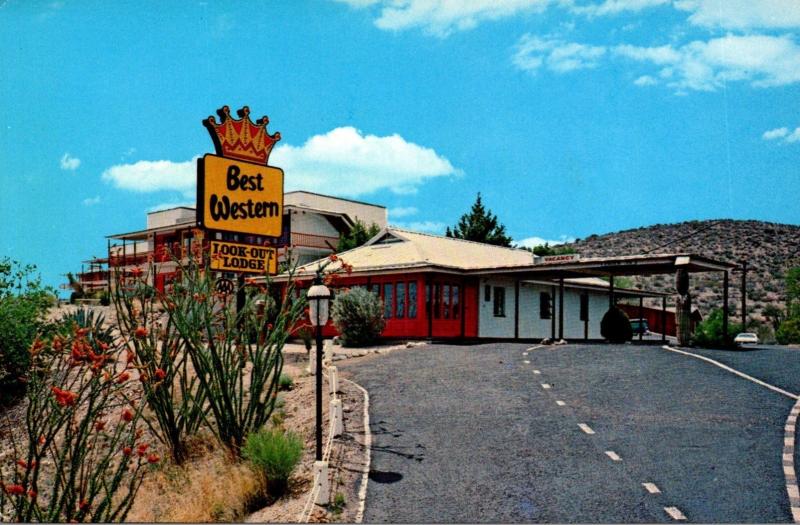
pixel 276 453
pixel 338 503
pixel 709 332
pixel 285 382
pixel 305 334
pixel 615 326
pixel 23 304
pixel 789 331
pixel 358 316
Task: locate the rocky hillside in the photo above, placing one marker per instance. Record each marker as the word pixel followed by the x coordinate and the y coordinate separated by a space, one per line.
pixel 769 249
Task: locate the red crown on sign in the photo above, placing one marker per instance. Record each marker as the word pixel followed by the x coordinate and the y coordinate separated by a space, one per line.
pixel 241 139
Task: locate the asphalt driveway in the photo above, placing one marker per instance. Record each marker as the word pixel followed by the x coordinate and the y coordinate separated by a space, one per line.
pixel 578 433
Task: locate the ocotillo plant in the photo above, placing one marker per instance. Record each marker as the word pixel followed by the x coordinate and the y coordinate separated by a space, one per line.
pixel 82 458
pixel 236 355
pixel 157 350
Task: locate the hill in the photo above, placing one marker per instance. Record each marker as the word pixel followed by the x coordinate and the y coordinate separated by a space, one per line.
pixel 768 248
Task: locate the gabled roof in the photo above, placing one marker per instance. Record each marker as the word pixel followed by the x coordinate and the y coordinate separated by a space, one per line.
pixel 394 248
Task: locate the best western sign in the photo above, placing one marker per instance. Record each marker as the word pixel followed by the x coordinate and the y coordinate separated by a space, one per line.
pixel 235 257
pixel 236 190
pixel 241 197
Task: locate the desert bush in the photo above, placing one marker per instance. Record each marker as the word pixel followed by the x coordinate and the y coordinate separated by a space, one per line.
pixel 789 331
pixel 157 350
pixel 275 453
pixel 80 457
pixel 358 316
pixel 23 305
pixel 237 376
pixel 765 334
pixel 615 326
pixel 708 333
pixel 305 335
pixel 285 382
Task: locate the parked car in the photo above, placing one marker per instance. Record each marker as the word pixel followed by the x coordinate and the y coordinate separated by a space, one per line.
pixel 640 326
pixel 746 338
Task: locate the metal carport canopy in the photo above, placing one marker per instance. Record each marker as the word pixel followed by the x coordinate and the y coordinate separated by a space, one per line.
pixel 606 266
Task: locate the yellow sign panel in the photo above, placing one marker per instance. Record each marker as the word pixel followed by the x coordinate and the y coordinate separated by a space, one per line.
pixel 240 197
pixel 235 257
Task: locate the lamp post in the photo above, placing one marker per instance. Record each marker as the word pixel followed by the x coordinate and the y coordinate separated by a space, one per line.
pixel 318 297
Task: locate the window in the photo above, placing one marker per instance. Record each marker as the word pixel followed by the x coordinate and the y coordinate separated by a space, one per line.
pixel 456 303
pixel 487 293
pixel 499 301
pixel 412 300
pixel 428 300
pixel 437 297
pixel 446 301
pixel 584 307
pixel 544 306
pixel 376 289
pixel 400 309
pixel 387 300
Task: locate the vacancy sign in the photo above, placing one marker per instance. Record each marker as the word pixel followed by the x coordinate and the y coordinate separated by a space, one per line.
pixel 236 190
pixel 245 258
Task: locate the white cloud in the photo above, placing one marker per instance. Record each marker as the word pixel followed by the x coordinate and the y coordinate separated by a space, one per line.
pixel 645 80
pixel 345 161
pixel 402 211
pixel 443 17
pixel 614 7
pixel 154 175
pixel 557 55
pixel 91 201
pixel 777 133
pixel 743 14
pixel 423 226
pixel 69 163
pixel 531 242
pixel 761 60
pixel 794 137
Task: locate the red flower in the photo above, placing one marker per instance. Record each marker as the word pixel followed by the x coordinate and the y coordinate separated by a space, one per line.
pixel 103 346
pixel 153 458
pixel 58 344
pixel 127 451
pixel 333 257
pixel 80 332
pixel 269 326
pixel 124 376
pixel 142 449
pixel 64 397
pixel 41 440
pixel 84 505
pixel 127 415
pixel 15 490
pixel 37 346
pixel 140 332
pixel 130 356
pixel 22 463
pixel 159 374
pixel 99 425
pixel 31 493
pixel 136 272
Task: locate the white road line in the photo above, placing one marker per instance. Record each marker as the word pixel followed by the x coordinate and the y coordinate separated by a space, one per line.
pixel 362 490
pixel 651 488
pixel 675 513
pixel 537 372
pixel 546 386
pixel 534 347
pixel 788 439
pixel 560 403
pixel 527 362
pixel 586 428
pixel 734 371
pixel 613 455
pixel 525 353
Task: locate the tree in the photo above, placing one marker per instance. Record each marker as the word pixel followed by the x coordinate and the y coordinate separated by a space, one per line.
pixel 545 249
pixel 774 315
pixel 480 225
pixel 793 292
pixel 358 235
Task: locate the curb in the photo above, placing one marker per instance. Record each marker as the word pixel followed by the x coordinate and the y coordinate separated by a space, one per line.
pixel 362 491
pixel 789 431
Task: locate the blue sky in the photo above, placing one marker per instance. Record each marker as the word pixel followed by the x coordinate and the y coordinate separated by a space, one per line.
pixel 570 117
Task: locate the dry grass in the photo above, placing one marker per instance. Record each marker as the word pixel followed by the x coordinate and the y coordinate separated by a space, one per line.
pixel 208 488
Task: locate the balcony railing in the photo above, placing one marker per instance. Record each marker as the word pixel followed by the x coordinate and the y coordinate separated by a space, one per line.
pixel 310 240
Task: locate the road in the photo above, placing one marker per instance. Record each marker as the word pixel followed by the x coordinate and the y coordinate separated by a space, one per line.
pixel 575 433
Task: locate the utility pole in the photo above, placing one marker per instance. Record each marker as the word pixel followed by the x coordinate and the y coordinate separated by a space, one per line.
pixel 744 296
